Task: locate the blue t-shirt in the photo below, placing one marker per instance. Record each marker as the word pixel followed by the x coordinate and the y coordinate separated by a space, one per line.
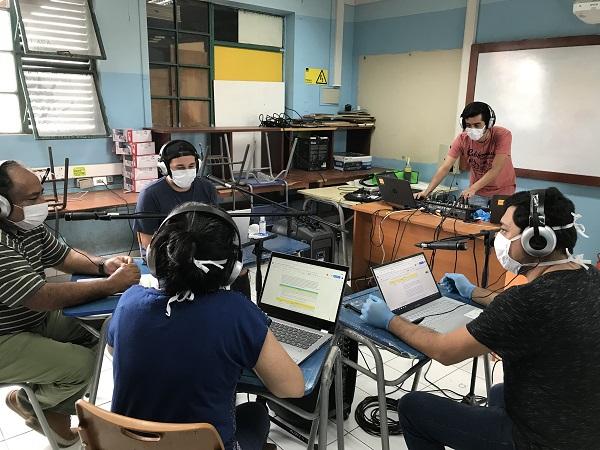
pixel 159 197
pixel 183 368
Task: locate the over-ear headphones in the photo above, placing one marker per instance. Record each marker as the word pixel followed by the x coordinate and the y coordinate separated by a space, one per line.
pixel 5 204
pixel 175 149
pixel 538 239
pixel 491 122
pixel 233 266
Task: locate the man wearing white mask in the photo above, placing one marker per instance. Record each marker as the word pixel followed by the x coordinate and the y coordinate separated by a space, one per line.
pixel 179 163
pixel 546 332
pixel 38 345
pixel 486 147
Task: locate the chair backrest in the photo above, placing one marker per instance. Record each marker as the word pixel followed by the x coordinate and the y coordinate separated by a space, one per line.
pixel 103 430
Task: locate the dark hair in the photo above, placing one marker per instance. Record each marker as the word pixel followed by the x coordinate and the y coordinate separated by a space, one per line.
pixel 557 209
pixel 6 183
pixel 474 109
pixel 187 236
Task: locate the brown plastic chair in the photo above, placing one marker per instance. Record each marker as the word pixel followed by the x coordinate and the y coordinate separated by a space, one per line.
pixel 103 430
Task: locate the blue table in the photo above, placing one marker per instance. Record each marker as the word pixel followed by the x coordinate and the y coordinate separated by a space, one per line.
pixel 351 326
pixel 281 244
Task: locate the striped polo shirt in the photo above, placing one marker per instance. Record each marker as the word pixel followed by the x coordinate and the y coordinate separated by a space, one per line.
pixel 23 257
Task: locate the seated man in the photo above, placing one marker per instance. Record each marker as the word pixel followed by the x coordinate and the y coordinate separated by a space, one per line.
pixel 546 332
pixel 179 163
pixel 38 345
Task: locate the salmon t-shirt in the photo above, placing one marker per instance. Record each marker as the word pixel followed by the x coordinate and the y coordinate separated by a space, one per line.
pixel 480 157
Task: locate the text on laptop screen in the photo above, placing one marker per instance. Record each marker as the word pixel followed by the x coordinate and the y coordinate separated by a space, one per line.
pixel 405 281
pixel 304 288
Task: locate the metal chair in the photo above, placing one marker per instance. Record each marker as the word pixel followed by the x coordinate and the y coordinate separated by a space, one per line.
pixel 101 429
pixel 39 413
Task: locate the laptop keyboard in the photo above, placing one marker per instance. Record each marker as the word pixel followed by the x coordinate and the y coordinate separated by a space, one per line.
pixel 440 306
pixel 294 336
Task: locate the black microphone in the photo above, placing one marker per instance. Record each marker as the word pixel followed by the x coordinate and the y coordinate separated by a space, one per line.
pixel 69 217
pixel 443 245
pixel 73 216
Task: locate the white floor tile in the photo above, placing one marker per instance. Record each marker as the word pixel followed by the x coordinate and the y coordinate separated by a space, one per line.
pixel 459 381
pixel 3 446
pixel 350 443
pixel 105 388
pixel 286 441
pixel 11 424
pixel 32 441
pixel 374 442
pixel 369 385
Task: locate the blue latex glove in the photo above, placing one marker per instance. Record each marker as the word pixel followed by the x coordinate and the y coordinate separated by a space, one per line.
pixel 457 283
pixel 376 312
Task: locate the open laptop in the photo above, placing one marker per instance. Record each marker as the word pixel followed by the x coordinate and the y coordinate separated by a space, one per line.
pixel 396 192
pixel 302 297
pixel 242 224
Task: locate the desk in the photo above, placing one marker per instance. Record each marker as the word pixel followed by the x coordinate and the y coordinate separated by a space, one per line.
pixel 401 230
pixel 281 244
pixel 351 326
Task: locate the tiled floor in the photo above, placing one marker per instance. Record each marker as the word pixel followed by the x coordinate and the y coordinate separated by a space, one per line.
pixel 14 435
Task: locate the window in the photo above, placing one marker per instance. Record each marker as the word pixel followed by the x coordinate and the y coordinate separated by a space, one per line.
pixel 10 112
pixel 57 94
pixel 180 62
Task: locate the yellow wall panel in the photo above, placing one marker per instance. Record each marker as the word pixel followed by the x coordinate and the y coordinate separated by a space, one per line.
pixel 240 64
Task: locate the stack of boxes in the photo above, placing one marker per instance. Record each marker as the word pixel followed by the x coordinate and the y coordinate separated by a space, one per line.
pixel 139 157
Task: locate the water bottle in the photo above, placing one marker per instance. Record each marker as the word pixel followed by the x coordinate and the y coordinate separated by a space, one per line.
pixel 262 225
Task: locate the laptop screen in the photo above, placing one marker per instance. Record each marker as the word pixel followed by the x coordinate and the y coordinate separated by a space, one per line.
pixel 303 291
pixel 406 281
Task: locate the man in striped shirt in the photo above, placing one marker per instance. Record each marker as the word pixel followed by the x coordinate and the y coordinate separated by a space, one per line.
pixel 38 345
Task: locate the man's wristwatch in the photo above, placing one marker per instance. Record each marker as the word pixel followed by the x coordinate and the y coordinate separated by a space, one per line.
pixel 101 270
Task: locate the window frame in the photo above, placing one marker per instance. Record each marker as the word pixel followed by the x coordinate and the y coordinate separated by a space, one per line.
pixel 19 93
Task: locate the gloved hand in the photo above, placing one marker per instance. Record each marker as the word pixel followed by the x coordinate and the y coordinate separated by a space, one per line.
pixel 376 312
pixel 457 283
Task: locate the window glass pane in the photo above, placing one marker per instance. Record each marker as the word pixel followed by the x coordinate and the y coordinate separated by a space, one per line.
pixel 193 49
pixel 159 14
pixel 192 15
pixel 6 42
pixel 163 81
pixel 193 82
pixel 10 116
pixel 64 26
pixel 8 76
pixel 226 23
pixel 260 29
pixel 4 3
pixel 161 46
pixel 194 113
pixel 163 113
pixel 64 104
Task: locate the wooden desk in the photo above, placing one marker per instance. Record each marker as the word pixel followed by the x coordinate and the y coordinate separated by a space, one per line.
pixel 99 200
pixel 420 227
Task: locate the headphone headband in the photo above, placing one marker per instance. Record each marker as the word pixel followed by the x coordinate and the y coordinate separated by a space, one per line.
pixel 5 204
pixel 184 148
pixel 491 122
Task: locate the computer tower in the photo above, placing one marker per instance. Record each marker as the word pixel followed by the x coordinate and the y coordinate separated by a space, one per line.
pixel 321 238
pixel 312 153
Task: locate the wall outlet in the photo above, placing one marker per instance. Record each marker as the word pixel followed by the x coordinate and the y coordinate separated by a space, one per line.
pixel 100 181
pixel 84 183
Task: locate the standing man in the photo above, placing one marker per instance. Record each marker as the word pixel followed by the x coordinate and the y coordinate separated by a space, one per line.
pixel 38 345
pixel 487 149
pixel 545 331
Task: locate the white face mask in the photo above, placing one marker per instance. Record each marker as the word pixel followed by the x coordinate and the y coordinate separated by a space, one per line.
pixel 475 133
pixel 33 216
pixel 502 247
pixel 183 178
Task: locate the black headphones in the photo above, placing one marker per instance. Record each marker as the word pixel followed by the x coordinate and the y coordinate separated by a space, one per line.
pixel 5 204
pixel 176 149
pixel 538 239
pixel 233 266
pixel 491 122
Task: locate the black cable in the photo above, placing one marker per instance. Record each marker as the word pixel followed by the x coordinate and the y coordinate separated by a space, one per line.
pixel 493 369
pixel 292 109
pixel 71 248
pixel 395 249
pixel 475 262
pixel 124 200
pixel 456 252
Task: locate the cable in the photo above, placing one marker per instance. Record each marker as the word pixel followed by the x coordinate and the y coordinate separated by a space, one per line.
pixel 368 418
pixel 475 262
pixel 124 200
pixel 396 249
pixel 71 248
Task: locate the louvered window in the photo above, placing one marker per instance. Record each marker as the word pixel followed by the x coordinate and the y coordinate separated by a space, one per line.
pixel 57 66
pixel 10 109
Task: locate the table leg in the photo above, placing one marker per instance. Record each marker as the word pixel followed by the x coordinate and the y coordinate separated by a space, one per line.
pixel 339 403
pixel 488 374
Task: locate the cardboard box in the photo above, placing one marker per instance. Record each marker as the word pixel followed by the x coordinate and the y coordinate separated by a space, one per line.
pixel 131 185
pixel 140 161
pixel 135 149
pixel 140 173
pixel 131 135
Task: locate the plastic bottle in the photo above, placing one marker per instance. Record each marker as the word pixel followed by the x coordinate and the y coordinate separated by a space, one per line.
pixel 262 225
pixel 407 171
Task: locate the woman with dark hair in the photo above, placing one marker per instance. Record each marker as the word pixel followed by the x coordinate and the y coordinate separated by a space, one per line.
pixel 179 350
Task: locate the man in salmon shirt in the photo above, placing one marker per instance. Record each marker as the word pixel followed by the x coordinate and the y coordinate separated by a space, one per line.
pixel 486 148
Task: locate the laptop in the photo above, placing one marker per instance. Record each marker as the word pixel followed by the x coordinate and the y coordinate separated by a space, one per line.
pixel 497 207
pixel 242 224
pixel 396 192
pixel 302 298
pixel 409 289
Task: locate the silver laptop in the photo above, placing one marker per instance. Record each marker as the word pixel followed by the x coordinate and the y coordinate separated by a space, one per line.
pixel 302 297
pixel 409 289
pixel 242 224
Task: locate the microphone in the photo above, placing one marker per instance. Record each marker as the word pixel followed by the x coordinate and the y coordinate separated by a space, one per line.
pixel 69 217
pixel 443 245
pixel 73 216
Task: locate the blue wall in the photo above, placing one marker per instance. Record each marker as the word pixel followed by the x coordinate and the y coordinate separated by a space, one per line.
pixel 399 27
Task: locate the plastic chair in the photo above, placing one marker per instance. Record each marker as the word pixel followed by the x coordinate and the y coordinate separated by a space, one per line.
pixel 100 429
pixel 38 412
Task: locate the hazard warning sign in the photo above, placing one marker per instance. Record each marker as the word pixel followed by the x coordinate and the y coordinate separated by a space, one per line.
pixel 316 75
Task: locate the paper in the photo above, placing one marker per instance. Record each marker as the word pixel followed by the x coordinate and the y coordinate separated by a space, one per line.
pixel 474 313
